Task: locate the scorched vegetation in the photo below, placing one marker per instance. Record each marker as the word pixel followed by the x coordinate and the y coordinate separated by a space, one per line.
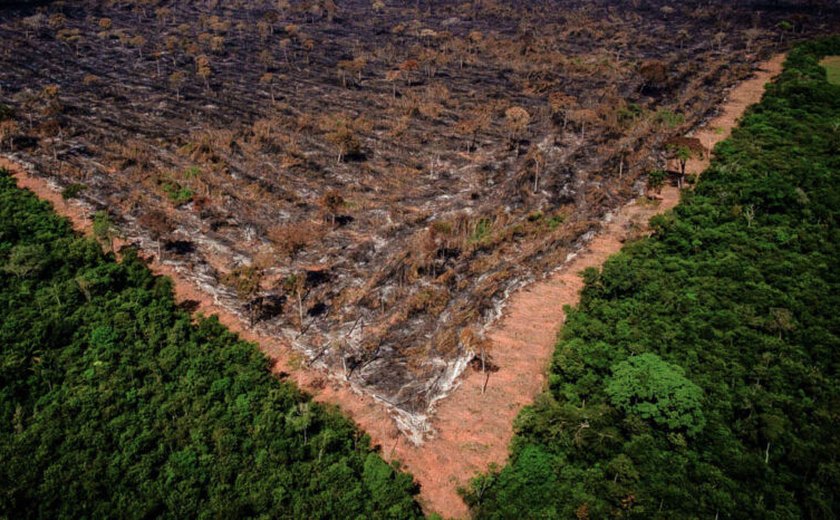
pixel 368 179
pixel 699 376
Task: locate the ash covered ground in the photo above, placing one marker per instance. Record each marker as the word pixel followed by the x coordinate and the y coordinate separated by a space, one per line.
pixel 369 180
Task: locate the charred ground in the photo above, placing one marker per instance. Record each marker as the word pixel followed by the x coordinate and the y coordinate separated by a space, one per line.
pixel 365 179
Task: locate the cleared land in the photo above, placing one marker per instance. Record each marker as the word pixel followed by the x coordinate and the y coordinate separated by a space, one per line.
pixel 367 185
pixel 116 402
pixel 475 424
pixel 698 377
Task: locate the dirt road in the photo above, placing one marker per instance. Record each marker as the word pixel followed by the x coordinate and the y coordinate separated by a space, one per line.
pixel 474 428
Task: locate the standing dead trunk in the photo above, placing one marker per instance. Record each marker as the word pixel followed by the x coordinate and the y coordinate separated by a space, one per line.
pixel 484 368
pixel 300 309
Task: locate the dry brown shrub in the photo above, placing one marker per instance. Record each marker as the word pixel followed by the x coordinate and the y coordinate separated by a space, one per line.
pixel 446 341
pixel 399 126
pixel 265 258
pixel 430 111
pixel 8 130
pixel 206 145
pixel 432 300
pixel 291 239
pixel 245 280
pixel 422 252
pixel 438 92
pixel 49 128
pixel 408 105
pixel 131 153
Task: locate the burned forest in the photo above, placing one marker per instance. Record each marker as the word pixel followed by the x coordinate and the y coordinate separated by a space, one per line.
pixel 369 180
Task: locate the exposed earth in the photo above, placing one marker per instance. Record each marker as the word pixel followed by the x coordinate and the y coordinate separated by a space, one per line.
pixel 367 183
pixel 474 424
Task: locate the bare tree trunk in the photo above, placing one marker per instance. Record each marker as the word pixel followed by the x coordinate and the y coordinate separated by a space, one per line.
pixel 300 310
pixel 484 369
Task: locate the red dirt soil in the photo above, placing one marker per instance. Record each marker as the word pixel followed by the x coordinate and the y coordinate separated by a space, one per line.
pixel 473 427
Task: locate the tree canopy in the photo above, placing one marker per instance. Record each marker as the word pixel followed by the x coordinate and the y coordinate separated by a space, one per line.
pixel 114 402
pixel 698 378
pixel 656 390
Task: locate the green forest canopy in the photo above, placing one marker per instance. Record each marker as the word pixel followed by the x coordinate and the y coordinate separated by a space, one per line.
pixel 115 404
pixel 698 378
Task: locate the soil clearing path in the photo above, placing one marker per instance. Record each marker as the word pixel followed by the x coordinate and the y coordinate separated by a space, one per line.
pixel 474 427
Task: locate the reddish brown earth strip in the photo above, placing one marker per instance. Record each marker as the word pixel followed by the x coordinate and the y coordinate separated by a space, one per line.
pixel 474 427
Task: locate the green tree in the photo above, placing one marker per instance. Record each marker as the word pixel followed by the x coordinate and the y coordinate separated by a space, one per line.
pixel 683 149
pixel 658 391
pixel 25 260
pixel 736 291
pixel 104 229
pixel 114 402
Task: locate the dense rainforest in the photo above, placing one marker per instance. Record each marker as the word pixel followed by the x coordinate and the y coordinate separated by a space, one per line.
pixel 698 378
pixel 114 402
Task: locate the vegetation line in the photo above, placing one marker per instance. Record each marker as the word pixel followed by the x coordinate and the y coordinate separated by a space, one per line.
pixel 469 437
pixel 114 402
pixel 698 376
pixel 474 423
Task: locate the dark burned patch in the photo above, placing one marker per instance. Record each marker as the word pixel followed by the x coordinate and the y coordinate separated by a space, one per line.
pixel 487 366
pixel 24 142
pixel 356 156
pixel 448 253
pixel 352 362
pixel 315 278
pixel 266 307
pixel 189 306
pixel 319 309
pixel 179 247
